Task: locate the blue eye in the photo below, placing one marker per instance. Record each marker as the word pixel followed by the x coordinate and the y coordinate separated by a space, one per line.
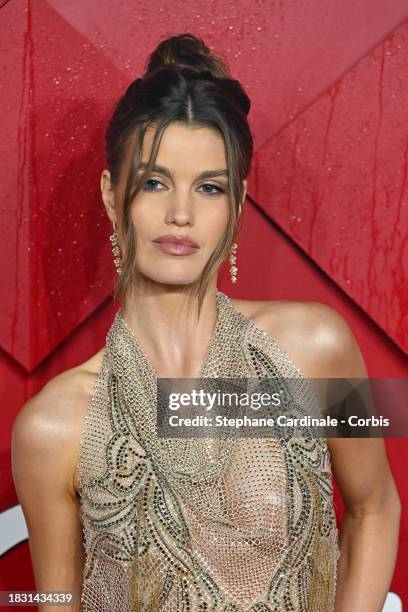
pixel 218 189
pixel 151 181
pixel 148 187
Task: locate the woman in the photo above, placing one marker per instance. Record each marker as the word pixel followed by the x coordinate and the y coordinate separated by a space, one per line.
pixel 173 524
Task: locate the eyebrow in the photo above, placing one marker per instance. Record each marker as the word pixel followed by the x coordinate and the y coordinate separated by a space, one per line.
pixel 170 173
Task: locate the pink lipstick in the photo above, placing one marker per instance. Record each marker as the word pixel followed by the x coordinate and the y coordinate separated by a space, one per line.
pixel 176 245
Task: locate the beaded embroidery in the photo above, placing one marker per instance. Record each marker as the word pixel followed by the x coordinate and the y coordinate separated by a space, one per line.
pixel 223 524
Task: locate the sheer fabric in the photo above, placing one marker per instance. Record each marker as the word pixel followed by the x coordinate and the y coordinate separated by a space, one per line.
pixel 225 524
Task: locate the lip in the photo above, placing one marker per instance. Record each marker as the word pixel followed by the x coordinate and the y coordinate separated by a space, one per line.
pixel 176 239
pixel 176 245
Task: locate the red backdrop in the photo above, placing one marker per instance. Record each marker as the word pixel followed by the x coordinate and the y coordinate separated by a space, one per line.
pixel 327 212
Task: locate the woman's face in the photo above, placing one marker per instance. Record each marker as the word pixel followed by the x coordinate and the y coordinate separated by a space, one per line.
pixel 176 201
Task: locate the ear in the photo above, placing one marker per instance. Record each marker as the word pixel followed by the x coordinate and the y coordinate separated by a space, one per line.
pixel 245 184
pixel 108 195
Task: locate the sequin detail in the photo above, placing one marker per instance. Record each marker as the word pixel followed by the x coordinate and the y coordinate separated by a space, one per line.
pixel 223 524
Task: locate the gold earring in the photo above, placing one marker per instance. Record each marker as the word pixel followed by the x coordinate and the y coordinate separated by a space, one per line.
pixel 117 260
pixel 232 260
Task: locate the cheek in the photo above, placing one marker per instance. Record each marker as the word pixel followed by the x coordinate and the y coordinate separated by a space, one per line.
pixel 144 217
pixel 215 219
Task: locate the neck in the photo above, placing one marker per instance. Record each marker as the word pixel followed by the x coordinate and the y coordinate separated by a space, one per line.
pixel 164 320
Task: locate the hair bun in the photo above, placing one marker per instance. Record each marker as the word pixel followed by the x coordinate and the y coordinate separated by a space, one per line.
pixel 188 51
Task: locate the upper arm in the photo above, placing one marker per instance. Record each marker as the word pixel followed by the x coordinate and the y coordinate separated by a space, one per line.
pixel 360 465
pixel 44 452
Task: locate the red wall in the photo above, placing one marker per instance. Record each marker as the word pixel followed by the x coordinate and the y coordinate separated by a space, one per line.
pixel 327 212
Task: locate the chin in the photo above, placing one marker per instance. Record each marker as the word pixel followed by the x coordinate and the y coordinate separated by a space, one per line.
pixel 167 279
pixel 177 281
pixel 167 274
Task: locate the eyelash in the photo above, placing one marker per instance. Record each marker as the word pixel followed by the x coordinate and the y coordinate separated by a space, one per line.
pixel 219 189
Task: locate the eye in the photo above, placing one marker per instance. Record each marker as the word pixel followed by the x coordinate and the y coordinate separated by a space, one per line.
pixel 146 188
pixel 211 193
pixel 215 190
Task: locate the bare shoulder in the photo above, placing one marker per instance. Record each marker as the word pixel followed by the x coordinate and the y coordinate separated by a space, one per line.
pixel 315 336
pixel 48 427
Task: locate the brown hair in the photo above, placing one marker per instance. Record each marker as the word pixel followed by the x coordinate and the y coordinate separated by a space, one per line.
pixel 182 82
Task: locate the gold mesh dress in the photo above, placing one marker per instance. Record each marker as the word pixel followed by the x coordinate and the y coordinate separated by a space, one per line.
pixel 184 525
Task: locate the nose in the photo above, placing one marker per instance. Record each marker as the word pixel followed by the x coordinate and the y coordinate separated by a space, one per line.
pixel 180 209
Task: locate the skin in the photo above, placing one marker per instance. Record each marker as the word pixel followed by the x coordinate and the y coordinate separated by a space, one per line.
pixel 48 428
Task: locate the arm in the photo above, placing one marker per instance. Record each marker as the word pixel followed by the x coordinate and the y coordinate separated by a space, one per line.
pixel 370 528
pixel 369 532
pixel 44 453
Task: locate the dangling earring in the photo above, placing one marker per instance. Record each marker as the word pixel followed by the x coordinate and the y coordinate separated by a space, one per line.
pixel 114 238
pixel 232 260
